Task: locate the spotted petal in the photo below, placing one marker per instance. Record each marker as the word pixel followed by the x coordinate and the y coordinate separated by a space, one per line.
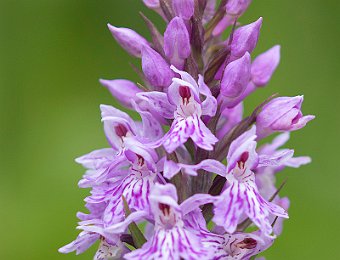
pixel 136 189
pixel 178 134
pixel 202 136
pixel 176 243
pixel 237 246
pixel 243 197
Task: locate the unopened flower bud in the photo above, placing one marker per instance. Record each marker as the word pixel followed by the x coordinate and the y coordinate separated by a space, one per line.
pixel 131 41
pixel 245 39
pixel 226 21
pixel 153 4
pixel 264 66
pixel 184 8
pixel 235 80
pixel 209 11
pixel 237 7
pixel 156 70
pixel 177 42
pixel 280 115
pixel 234 9
pixel 156 6
pixel 123 90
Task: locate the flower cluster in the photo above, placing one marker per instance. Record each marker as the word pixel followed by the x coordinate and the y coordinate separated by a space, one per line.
pixel 188 179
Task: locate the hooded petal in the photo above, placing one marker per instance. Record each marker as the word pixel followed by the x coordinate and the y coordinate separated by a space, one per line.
pixel 166 194
pixel 243 144
pixel 110 111
pixel 117 125
pixel 187 80
pixel 185 76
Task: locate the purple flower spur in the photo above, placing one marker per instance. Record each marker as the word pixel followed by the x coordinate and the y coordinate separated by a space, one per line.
pixel 189 180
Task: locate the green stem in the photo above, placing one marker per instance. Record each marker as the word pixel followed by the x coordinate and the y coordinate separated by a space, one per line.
pixel 136 233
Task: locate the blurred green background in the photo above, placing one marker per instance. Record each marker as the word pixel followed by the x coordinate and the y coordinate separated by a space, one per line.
pixel 52 53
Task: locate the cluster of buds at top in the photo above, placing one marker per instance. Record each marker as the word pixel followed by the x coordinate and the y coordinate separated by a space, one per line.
pixel 193 157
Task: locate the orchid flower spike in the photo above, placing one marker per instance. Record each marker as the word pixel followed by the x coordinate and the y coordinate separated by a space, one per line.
pixel 189 154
